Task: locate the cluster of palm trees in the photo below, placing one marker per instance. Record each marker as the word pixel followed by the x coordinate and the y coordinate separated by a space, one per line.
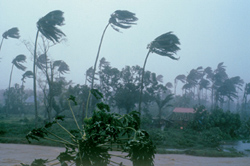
pixel 200 80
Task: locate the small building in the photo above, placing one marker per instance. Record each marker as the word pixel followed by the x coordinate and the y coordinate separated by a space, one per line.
pixel 181 116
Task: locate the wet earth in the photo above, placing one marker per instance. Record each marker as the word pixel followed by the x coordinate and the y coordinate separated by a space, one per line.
pixel 14 154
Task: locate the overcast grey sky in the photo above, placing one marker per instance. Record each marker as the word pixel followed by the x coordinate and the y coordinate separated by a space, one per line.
pixel 210 32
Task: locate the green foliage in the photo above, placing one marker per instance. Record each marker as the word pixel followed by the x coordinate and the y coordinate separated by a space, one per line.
pixel 15 98
pixel 96 93
pixel 122 19
pixel 212 137
pixel 201 119
pixel 47 25
pixel 227 122
pixel 141 149
pixel 102 132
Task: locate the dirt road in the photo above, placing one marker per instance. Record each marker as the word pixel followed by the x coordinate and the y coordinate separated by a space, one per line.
pixel 14 154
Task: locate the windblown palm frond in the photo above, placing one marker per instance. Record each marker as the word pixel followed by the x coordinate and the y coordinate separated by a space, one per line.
pixel 62 66
pixel 18 60
pixel 41 61
pixel 181 78
pixel 122 19
pixel 165 45
pixel 12 33
pixel 204 84
pixel 47 25
pixel 27 74
pixel 169 85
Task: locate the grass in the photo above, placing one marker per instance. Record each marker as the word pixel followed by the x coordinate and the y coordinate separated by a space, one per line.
pixel 14 130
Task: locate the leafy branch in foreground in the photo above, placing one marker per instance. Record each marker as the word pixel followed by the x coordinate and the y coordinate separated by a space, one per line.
pixel 103 132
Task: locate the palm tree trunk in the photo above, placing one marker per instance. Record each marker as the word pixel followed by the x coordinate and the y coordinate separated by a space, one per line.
pixel 142 79
pixel 8 105
pixel 175 85
pixel 34 80
pixel 97 56
pixel 1 44
pixel 93 76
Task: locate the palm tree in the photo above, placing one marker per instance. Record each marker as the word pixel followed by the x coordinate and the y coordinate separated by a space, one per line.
pixel 163 103
pixel 27 74
pixel 229 89
pixel 164 45
pixel 169 85
pixel 61 65
pixel 194 76
pixel 17 62
pixel 219 76
pixel 246 93
pixel 203 84
pixel 119 19
pixel 12 33
pixel 47 27
pixel 181 78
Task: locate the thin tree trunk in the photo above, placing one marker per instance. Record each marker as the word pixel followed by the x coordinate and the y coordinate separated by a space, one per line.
pixel 8 105
pixel 34 80
pixel 142 79
pixel 1 44
pixel 89 102
pixel 175 85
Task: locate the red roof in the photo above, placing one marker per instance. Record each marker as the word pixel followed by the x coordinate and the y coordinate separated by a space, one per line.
pixel 184 110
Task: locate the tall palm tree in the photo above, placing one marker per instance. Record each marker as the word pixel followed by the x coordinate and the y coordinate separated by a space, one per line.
pixel 12 33
pixel 164 45
pixel 47 26
pixel 203 84
pixel 17 62
pixel 246 93
pixel 219 76
pixel 229 88
pixel 181 78
pixel 119 19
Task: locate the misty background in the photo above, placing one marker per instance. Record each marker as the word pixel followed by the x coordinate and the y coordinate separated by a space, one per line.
pixel 210 32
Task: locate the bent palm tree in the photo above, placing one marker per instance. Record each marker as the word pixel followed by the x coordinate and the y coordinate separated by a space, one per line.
pixel 181 78
pixel 27 74
pixel 47 26
pixel 119 19
pixel 17 62
pixel 12 33
pixel 164 45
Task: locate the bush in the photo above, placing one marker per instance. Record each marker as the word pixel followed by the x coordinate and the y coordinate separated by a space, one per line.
pixel 227 122
pixel 212 137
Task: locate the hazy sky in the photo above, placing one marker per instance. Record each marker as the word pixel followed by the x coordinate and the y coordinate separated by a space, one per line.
pixel 210 32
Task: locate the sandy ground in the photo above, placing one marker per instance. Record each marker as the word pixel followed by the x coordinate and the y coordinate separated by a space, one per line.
pixel 14 154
